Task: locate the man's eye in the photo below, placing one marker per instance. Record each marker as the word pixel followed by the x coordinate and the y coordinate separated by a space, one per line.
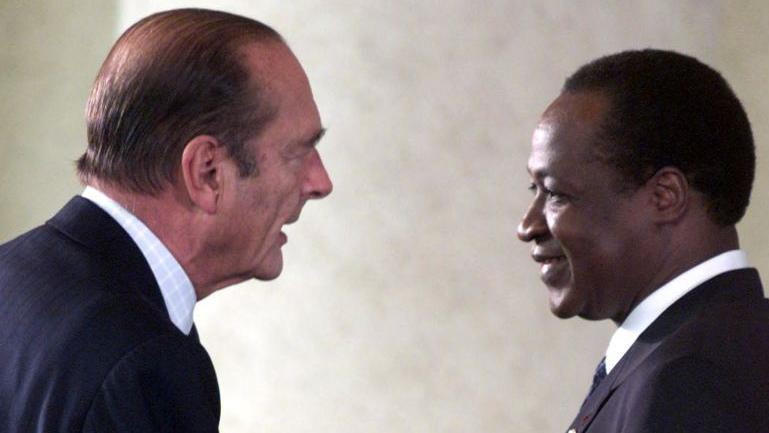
pixel 551 195
pixel 555 196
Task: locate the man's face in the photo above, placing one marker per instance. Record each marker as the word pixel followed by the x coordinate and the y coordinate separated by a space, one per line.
pixel 590 239
pixel 289 170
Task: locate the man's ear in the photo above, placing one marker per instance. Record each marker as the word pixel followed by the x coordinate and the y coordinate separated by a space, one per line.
pixel 670 194
pixel 201 171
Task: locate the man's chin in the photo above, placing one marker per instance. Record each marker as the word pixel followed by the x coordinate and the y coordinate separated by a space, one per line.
pixel 269 274
pixel 271 268
pixel 561 305
pixel 561 313
pixel 266 277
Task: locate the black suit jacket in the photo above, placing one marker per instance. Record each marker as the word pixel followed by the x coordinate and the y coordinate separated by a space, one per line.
pixel 702 366
pixel 86 344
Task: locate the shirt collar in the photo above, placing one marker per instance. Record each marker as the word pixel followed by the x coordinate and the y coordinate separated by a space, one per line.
pixel 175 286
pixel 658 301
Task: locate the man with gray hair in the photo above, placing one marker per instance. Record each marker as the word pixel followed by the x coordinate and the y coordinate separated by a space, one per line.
pixel 202 133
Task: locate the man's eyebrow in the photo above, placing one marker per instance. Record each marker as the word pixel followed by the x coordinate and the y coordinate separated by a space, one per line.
pixel 536 172
pixel 316 138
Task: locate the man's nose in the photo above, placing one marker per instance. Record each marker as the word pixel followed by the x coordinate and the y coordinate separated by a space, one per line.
pixel 533 224
pixel 317 183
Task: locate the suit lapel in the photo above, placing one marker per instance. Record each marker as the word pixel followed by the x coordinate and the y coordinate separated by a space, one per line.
pixel 727 287
pixel 124 264
pixel 594 402
pixel 194 334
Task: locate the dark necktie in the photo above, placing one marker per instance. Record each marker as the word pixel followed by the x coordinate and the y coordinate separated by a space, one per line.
pixel 600 373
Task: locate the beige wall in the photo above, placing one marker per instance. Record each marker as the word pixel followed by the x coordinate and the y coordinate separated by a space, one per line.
pixel 49 53
pixel 407 304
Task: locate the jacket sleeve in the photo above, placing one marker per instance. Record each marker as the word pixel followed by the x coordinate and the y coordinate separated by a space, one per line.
pixel 167 384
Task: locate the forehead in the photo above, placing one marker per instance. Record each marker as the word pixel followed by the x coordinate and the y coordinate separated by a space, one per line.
pixel 566 136
pixel 283 81
pixel 279 75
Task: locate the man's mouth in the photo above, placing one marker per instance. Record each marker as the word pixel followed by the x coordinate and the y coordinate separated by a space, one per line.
pixel 551 260
pixel 548 259
pixel 553 266
pixel 282 238
pixel 295 216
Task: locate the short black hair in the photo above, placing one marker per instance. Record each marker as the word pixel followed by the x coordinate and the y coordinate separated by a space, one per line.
pixel 669 109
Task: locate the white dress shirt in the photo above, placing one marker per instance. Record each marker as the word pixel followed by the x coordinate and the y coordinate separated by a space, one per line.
pixel 175 286
pixel 658 301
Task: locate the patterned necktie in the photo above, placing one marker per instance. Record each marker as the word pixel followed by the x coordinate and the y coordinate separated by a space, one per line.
pixel 600 373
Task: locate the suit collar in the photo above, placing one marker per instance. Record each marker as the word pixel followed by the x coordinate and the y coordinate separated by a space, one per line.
pixel 128 271
pixel 175 286
pixel 651 307
pixel 742 284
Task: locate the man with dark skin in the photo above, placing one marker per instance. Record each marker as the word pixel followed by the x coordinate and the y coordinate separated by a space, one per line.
pixel 640 170
pixel 202 133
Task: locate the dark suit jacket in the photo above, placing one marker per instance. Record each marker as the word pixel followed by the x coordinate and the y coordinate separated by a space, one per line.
pixel 86 344
pixel 702 366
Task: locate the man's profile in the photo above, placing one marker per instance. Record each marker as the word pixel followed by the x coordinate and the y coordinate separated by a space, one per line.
pixel 201 146
pixel 640 170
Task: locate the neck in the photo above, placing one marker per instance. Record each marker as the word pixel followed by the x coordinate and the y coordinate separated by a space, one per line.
pixel 169 215
pixel 697 248
pixel 683 250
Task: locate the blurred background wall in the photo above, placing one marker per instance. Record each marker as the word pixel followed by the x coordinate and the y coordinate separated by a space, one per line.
pixel 406 304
